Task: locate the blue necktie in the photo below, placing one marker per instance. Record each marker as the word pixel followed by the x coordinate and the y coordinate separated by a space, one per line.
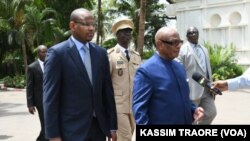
pixel 87 62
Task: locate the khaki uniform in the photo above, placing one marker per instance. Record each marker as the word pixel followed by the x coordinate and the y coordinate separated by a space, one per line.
pixel 122 74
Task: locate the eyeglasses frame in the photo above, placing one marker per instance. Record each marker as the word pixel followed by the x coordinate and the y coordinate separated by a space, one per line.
pixel 173 43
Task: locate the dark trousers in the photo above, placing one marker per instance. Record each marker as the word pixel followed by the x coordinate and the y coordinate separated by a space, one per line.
pixel 41 136
pixel 95 132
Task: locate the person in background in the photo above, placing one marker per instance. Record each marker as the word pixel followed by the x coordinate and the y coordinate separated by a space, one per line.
pixel 34 90
pixel 161 92
pixel 240 82
pixel 123 63
pixel 195 58
pixel 78 95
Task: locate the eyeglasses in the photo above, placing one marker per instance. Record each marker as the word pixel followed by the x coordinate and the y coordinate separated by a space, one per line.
pixel 192 32
pixel 173 43
pixel 86 24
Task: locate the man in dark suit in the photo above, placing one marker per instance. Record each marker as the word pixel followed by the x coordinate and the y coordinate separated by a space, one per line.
pixel 78 94
pixel 35 88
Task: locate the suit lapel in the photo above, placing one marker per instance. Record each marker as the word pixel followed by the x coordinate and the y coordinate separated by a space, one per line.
pixel 205 61
pixel 121 54
pixel 94 60
pixel 133 58
pixel 39 69
pixel 74 54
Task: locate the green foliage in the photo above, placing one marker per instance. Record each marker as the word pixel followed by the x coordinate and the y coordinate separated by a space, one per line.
pixel 40 26
pixel 223 61
pixel 13 58
pixel 155 17
pixel 109 43
pixel 147 54
pixel 65 7
pixel 17 81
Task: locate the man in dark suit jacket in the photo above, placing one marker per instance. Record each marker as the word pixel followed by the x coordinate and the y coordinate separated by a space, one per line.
pixel 79 106
pixel 35 88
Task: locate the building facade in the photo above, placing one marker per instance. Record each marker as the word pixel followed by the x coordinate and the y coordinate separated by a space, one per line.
pixel 219 21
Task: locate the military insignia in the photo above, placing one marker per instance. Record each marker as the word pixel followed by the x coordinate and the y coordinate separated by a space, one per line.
pixel 120 72
pixel 119 62
pixel 110 50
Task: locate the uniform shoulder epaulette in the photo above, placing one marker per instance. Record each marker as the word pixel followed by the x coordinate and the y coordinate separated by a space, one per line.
pixel 111 50
pixel 137 53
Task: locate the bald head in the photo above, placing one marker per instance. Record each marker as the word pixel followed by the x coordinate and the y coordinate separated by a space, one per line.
pixel 192 28
pixel 168 42
pixel 79 13
pixel 82 25
pixel 41 52
pixel 192 35
pixel 41 47
pixel 164 33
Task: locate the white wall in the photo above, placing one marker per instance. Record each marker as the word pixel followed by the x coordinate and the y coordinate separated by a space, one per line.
pixel 219 22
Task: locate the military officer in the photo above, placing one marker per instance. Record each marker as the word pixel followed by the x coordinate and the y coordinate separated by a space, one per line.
pixel 123 63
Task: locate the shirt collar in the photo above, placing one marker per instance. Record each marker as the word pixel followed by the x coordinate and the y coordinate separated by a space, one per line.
pixel 193 45
pixel 122 48
pixel 78 43
pixel 40 61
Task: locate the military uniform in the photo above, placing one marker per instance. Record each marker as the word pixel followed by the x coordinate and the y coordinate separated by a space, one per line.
pixel 122 74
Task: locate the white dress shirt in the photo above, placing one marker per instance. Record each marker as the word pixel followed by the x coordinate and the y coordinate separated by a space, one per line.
pixel 123 50
pixel 41 64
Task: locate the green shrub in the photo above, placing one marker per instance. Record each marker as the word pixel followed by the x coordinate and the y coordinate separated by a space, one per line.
pixel 223 61
pixel 7 81
pixel 17 81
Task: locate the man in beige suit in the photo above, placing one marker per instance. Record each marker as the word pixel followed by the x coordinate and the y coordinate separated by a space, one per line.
pixel 123 63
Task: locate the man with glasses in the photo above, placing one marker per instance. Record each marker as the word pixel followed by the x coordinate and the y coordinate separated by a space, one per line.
pixel 78 95
pixel 161 92
pixel 124 61
pixel 195 58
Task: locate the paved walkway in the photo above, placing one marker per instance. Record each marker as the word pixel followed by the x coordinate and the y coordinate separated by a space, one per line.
pixel 16 124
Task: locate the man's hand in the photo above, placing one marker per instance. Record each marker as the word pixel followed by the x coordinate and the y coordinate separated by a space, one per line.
pixel 220 84
pixel 55 139
pixel 113 136
pixel 32 110
pixel 198 114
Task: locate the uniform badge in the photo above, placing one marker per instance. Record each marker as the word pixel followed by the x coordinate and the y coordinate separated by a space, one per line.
pixel 120 62
pixel 120 72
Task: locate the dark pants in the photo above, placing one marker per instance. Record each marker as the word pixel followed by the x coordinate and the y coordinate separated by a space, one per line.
pixel 41 136
pixel 95 132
